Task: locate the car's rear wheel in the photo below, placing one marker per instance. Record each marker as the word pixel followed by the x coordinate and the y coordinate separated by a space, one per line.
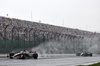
pixel 11 54
pixel 78 54
pixel 91 54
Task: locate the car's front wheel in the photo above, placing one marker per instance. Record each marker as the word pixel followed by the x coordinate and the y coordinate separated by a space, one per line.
pixel 35 56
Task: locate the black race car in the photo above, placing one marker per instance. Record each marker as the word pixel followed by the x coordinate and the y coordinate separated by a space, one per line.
pixel 23 54
pixel 84 54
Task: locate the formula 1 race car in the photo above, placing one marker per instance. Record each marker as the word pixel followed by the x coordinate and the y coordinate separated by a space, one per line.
pixel 23 55
pixel 84 54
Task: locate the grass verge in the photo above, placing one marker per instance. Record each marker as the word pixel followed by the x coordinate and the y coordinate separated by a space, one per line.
pixel 97 64
pixel 3 56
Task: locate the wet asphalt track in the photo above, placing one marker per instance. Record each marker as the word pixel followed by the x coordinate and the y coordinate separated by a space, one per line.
pixel 50 60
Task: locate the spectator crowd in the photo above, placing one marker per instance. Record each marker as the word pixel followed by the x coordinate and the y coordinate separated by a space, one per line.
pixel 23 27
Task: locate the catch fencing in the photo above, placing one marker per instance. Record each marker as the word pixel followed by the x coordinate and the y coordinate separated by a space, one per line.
pixel 14 37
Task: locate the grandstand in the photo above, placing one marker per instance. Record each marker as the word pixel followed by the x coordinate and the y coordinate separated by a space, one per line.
pixel 16 33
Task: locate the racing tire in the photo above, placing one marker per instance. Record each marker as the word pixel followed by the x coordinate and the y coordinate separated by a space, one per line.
pixel 91 55
pixel 35 56
pixel 11 54
pixel 78 54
